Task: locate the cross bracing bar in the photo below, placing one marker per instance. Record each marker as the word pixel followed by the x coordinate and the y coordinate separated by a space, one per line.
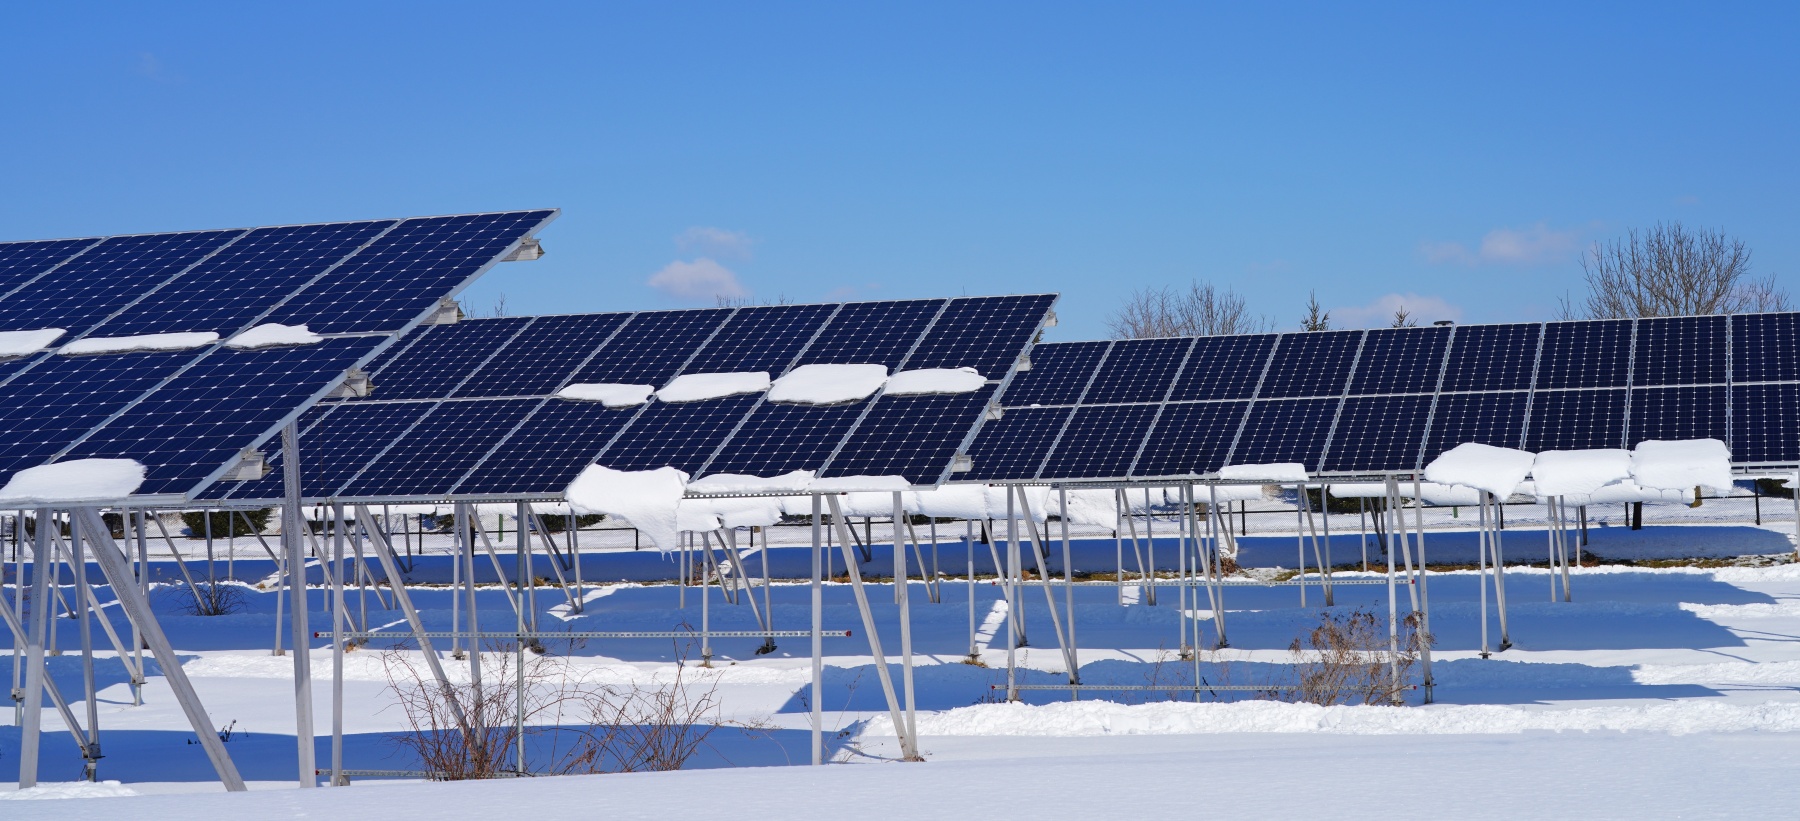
pixel 617 634
pixel 1180 688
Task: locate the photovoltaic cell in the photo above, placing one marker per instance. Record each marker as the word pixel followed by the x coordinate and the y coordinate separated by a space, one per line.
pixel 1687 350
pixel 911 436
pixel 1765 423
pixel 1100 442
pixel 1496 419
pixel 1057 376
pixel 1138 370
pixel 1190 438
pixel 1223 367
pixel 1585 354
pixel 1400 360
pixel 1576 420
pixel 1678 413
pixel 541 357
pixel 1765 347
pixel 1311 364
pixel 984 333
pixel 1492 358
pixel 761 339
pixel 878 333
pixel 1291 430
pixel 1378 433
pixel 1013 446
pixel 442 358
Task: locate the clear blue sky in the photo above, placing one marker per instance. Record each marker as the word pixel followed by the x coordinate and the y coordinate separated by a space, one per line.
pixel 1457 154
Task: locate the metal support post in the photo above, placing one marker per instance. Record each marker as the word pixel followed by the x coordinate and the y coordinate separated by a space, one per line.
pixel 34 650
pixel 90 748
pixel 1424 627
pixel 904 587
pixel 845 540
pixel 1395 523
pixel 292 523
pixel 818 640
pixel 337 645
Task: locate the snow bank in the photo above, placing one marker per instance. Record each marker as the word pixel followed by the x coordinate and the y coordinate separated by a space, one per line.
pixel 1579 472
pixel 648 499
pixel 77 480
pixel 753 511
pixel 1098 718
pixel 1626 491
pixel 845 484
pixel 951 502
pixel 271 334
pixel 70 789
pixel 1672 465
pixel 1088 507
pixel 20 343
pixel 141 342
pixel 790 482
pixel 698 387
pixel 610 394
pixel 1274 473
pixel 828 384
pixel 1482 467
pixel 935 380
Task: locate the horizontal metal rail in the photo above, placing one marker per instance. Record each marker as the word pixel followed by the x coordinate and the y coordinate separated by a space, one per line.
pixel 1129 582
pixel 432 774
pixel 1183 688
pixel 654 634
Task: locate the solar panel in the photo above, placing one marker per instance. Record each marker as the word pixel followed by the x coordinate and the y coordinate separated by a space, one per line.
pixel 1058 374
pixel 1223 367
pixel 1576 420
pixel 1100 442
pixel 1698 412
pixel 1378 433
pixel 1401 360
pixel 1765 423
pixel 1492 358
pixel 188 414
pixel 1014 446
pixel 1689 350
pixel 1190 438
pixel 532 443
pixel 1311 364
pixel 1496 419
pixel 1585 354
pixel 1765 348
pixel 1138 370
pixel 1285 430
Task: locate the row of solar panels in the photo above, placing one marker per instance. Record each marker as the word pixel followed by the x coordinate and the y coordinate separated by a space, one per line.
pixel 188 414
pixel 468 410
pixel 1392 399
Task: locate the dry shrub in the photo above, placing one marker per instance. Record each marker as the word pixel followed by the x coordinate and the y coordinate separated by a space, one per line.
pixel 571 725
pixel 1346 660
pixel 209 598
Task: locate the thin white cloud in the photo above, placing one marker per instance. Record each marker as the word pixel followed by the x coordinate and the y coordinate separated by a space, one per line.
pixel 1379 313
pixel 1536 245
pixel 701 279
pixel 716 242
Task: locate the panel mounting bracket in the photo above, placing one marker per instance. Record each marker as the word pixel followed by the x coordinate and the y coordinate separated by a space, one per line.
pixel 528 250
pixel 448 313
pixel 251 465
pixel 356 385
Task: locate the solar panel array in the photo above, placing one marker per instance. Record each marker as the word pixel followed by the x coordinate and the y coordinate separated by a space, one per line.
pixel 469 411
pixel 187 414
pixel 1367 402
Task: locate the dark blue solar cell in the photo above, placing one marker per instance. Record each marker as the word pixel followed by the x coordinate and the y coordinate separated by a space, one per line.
pixel 105 279
pixel 911 436
pixel 1014 446
pixel 52 405
pixel 1765 423
pixel 540 359
pixel 1679 413
pixel 549 450
pixel 1593 354
pixel 1492 358
pixel 1496 419
pixel 1058 374
pixel 197 422
pixel 1689 350
pixel 442 358
pixel 1401 360
pixel 1099 443
pixel 1377 434
pixel 681 436
pixel 1765 348
pixel 880 333
pixel 652 348
pixel 444 446
pixel 403 274
pixel 1190 439
pixel 985 333
pixel 780 438
pixel 244 280
pixel 337 439
pixel 763 338
pixel 1224 367
pixel 1576 420
pixel 1138 370
pixel 22 262
pixel 1292 430
pixel 1311 364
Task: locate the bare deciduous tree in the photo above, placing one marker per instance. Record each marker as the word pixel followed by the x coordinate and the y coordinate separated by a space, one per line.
pixel 1669 270
pixel 1202 309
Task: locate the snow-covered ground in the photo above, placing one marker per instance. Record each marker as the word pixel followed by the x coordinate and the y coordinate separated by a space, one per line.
pixel 1660 691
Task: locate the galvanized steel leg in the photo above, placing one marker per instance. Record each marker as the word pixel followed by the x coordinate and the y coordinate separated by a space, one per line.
pixel 291 526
